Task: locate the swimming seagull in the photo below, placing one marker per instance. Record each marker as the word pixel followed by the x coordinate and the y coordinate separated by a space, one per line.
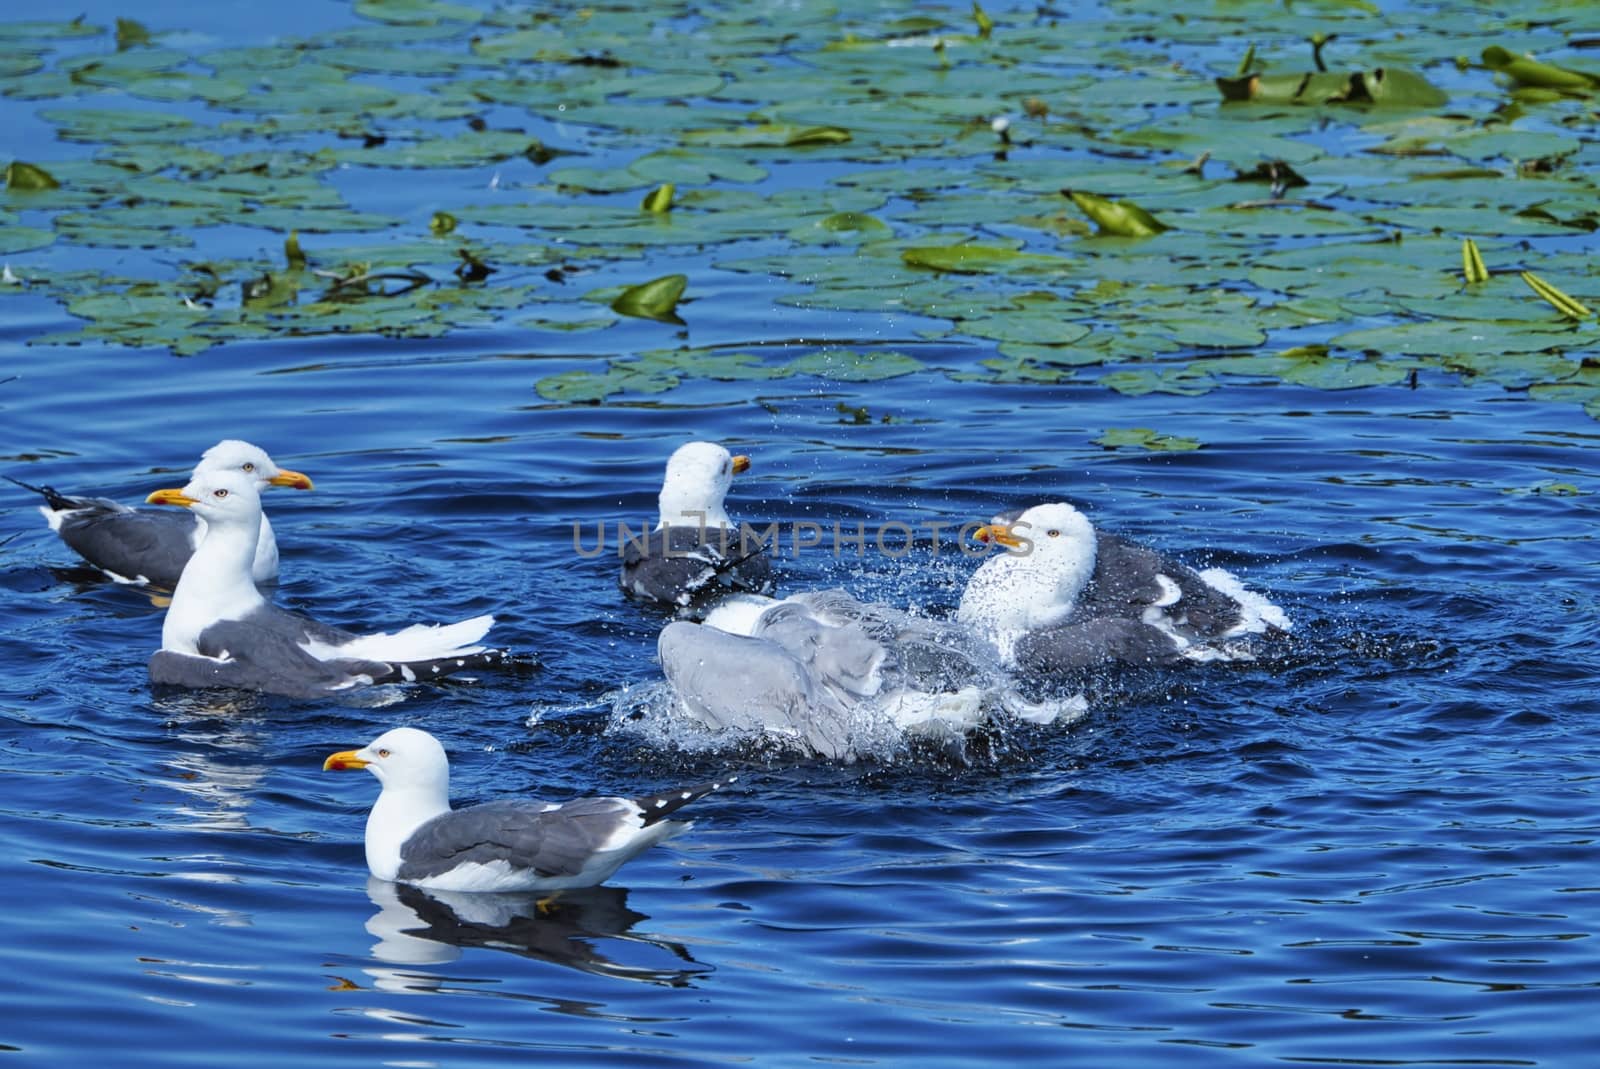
pixel 220 632
pixel 150 546
pixel 413 836
pixel 696 553
pixel 1065 596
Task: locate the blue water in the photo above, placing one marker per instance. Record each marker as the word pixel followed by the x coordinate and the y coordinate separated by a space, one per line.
pixel 1373 846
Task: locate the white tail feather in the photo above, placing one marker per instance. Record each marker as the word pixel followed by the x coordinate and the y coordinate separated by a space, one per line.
pixel 1258 613
pixel 419 642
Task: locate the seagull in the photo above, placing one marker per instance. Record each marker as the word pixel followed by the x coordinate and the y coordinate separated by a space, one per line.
pixel 1064 596
pixel 414 837
pixel 220 632
pixel 835 676
pixel 148 546
pixel 696 553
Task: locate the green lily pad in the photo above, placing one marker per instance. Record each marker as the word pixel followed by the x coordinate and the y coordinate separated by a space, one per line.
pixel 1182 381
pixel 1117 218
pixel 978 259
pixel 848 365
pixel 120 126
pixel 1525 70
pixel 656 299
pixel 15 239
pixel 25 177
pixel 769 135
pixel 841 228
pixel 589 387
pixel 1146 438
pixel 416 12
pixel 1455 338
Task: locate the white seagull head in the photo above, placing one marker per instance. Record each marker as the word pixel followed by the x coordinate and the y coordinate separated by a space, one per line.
pixel 1049 558
pixel 698 477
pixel 224 499
pixel 415 774
pixel 401 758
pixel 233 455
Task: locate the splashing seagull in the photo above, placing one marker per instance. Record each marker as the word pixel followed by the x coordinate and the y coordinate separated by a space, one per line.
pixel 414 837
pixel 1064 596
pixel 220 632
pixel 696 553
pixel 837 677
pixel 150 546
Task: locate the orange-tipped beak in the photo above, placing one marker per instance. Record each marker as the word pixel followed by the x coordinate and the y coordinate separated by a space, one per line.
pixel 997 532
pixel 741 463
pixel 170 497
pixel 343 761
pixel 292 479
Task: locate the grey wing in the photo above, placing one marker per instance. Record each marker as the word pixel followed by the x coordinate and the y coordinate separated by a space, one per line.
pixel 264 651
pixel 930 655
pixel 678 567
pixel 1124 581
pixel 131 543
pixel 268 653
pixel 741 683
pixel 845 659
pixel 1125 584
pixel 551 842
pixel 1073 647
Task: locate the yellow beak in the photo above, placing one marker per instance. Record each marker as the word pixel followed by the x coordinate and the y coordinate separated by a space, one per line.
pixel 997 532
pixel 343 761
pixel 170 497
pixel 741 463
pixel 293 479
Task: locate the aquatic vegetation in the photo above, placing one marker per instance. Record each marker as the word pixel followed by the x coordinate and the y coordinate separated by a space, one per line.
pixel 1045 192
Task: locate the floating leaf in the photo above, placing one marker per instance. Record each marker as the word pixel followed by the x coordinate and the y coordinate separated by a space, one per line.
pixel 26 176
pixel 841 226
pixel 659 200
pixel 847 365
pixel 416 12
pixel 1329 373
pixel 1567 306
pixel 1472 267
pixel 14 239
pixel 131 33
pixel 588 387
pixel 1382 86
pixel 978 259
pixel 656 299
pixel 442 223
pixel 981 17
pixel 1524 70
pixel 1181 381
pixel 1145 438
pixel 769 135
pixel 292 253
pixel 1119 218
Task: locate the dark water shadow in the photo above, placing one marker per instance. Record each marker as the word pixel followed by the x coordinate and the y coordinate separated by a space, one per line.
pixel 590 930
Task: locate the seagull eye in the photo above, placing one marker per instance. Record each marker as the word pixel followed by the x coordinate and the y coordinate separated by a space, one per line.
pixel 248 465
pixel 1053 533
pixel 383 753
pixel 219 494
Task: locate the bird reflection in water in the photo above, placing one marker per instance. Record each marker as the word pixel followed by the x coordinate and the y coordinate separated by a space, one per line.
pixel 418 927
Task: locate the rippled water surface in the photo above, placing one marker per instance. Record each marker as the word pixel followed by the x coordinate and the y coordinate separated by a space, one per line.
pixel 1375 845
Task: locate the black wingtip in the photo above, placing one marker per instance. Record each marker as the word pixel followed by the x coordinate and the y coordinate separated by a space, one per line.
pixel 658 807
pixel 52 497
pixel 428 671
pixel 727 564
